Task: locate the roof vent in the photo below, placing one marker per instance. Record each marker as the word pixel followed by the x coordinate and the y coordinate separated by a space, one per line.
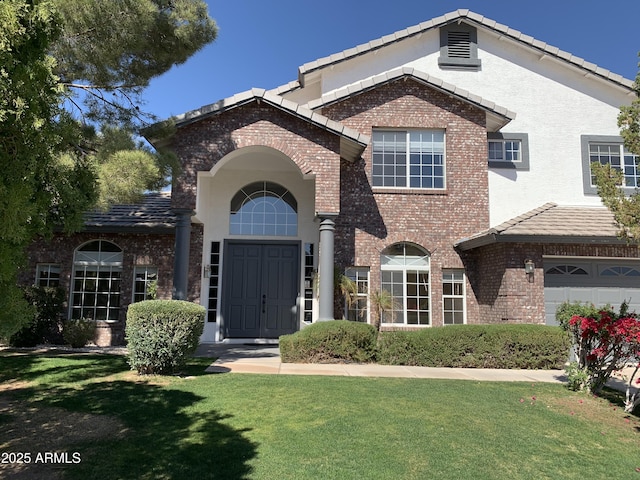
pixel 459 47
pixel 459 44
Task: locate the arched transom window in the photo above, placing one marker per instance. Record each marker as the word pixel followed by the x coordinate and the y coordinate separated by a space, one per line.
pixel 265 209
pixel 405 275
pixel 97 269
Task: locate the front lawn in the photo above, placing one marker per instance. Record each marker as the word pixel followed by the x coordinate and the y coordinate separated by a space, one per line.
pixel 234 426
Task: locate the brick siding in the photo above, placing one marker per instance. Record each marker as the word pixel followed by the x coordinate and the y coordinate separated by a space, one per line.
pixel 372 219
pixel 138 250
pixel 200 146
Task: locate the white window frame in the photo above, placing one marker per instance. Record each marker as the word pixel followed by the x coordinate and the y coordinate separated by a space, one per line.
pixel 380 171
pixel 506 149
pixel 99 261
pixel 148 271
pixel 44 277
pixel 358 312
pixel 448 277
pixel 628 162
pixel 263 209
pixel 504 139
pixel 407 265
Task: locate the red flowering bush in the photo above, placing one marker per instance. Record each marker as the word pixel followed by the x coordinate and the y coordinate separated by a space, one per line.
pixel 605 344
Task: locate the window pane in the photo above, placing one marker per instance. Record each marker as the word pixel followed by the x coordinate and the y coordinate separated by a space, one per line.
pixel 96 281
pixel 453 298
pixel 405 275
pixel 391 164
pixel 264 208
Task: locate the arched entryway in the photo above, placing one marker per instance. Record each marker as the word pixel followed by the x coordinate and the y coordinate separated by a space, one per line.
pixel 259 247
pixel 262 277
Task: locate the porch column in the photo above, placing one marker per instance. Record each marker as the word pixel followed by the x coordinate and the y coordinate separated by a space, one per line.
pixel 181 253
pixel 326 266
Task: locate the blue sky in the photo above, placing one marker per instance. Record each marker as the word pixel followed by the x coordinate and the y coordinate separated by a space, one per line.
pixel 261 43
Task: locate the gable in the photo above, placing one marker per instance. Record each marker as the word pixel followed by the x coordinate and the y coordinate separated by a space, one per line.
pixel 495 116
pixel 429 35
pixel 405 102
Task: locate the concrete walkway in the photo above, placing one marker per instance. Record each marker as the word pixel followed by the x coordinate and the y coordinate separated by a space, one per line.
pixel 265 359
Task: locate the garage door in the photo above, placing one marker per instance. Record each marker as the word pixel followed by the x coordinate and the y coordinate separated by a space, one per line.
pixel 599 282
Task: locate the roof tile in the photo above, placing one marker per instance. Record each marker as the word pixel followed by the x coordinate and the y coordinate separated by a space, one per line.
pixel 154 211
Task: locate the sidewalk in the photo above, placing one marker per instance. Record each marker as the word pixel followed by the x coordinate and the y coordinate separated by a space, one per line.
pixel 265 359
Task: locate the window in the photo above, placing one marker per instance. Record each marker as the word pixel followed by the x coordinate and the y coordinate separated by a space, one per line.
pixel 145 283
pixel 214 282
pixel 616 156
pixel 47 275
pixel 608 150
pixel 453 297
pixel 459 47
pixel 508 150
pixel 405 275
pixel 621 272
pixel 264 208
pixel 309 276
pixel 408 159
pixel 97 269
pixel 566 270
pixel 356 308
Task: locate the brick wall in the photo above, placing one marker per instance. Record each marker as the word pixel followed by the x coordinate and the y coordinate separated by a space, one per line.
pixel 200 146
pixel 372 219
pixel 138 250
pixel 505 293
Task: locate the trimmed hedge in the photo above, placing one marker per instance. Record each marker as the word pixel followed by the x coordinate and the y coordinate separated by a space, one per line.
pixel 336 341
pixel 477 346
pixel 78 332
pixel 161 334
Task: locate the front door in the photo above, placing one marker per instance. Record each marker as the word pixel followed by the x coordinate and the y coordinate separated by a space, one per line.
pixel 261 289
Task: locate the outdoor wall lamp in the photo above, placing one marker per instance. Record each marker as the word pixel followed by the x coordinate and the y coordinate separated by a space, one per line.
pixel 529 267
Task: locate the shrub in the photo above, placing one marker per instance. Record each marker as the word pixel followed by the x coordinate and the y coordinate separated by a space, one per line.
pixel 476 346
pixel 161 334
pixel 567 310
pixel 47 303
pixel 605 344
pixel 335 341
pixel 78 332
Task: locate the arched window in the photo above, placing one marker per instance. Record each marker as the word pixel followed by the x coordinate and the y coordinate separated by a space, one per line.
pixel 265 209
pixel 566 270
pixel 405 276
pixel 621 272
pixel 97 269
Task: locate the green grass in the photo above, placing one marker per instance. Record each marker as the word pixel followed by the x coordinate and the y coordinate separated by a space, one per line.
pixel 233 426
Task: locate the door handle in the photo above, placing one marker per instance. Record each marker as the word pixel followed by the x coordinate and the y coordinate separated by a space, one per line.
pixel 264 304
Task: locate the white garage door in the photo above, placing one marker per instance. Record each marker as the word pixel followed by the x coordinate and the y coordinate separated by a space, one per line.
pixel 599 282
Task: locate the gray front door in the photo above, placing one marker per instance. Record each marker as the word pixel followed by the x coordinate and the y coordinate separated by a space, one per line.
pixel 261 283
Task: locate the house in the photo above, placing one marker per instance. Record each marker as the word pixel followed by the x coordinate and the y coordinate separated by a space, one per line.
pixel 447 163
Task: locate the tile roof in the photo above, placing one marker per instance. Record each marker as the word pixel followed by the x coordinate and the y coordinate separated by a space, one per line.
pixel 551 223
pixel 353 142
pixel 154 212
pixel 499 116
pixel 474 19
